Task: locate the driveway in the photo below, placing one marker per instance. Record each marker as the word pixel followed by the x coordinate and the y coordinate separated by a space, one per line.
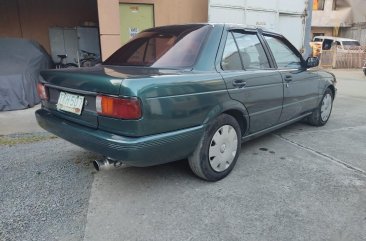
pixel 299 183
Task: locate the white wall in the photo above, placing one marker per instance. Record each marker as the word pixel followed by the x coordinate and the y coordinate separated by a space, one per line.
pixel 283 16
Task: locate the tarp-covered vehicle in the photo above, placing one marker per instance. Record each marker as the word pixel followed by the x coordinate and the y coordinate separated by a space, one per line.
pixel 20 63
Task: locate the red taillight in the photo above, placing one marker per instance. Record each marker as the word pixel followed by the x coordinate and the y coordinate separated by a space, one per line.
pixel 42 92
pixel 124 108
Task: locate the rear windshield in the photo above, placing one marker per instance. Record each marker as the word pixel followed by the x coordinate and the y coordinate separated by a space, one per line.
pixel 165 47
pixel 351 43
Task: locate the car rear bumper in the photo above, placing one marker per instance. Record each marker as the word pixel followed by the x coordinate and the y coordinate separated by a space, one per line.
pixel 141 151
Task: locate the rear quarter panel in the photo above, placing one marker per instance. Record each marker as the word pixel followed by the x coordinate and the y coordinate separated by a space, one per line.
pixel 172 102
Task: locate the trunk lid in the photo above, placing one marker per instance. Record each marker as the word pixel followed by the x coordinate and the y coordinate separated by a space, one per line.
pixel 96 80
pixel 85 82
pixel 88 82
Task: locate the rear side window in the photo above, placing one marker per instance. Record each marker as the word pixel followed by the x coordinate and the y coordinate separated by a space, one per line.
pixel 243 51
pixel 231 59
pixel 166 47
pixel 283 54
pixel 251 51
pixel 351 43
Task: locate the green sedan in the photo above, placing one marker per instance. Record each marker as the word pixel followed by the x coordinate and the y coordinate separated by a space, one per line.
pixel 192 91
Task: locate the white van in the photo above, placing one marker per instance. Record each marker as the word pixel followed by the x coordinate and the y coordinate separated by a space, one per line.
pixel 342 43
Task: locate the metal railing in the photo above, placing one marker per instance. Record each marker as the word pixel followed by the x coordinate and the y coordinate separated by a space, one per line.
pixel 346 57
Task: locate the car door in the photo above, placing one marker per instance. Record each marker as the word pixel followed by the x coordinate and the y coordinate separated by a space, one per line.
pixel 301 86
pixel 251 79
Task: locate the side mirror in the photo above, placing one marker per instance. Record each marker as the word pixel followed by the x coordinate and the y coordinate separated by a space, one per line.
pixel 312 62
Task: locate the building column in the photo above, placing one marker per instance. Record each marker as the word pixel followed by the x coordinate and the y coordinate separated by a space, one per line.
pixel 109 27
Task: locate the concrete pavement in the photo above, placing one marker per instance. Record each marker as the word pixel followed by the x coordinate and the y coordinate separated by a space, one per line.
pixel 299 183
pixel 19 121
pixel 285 193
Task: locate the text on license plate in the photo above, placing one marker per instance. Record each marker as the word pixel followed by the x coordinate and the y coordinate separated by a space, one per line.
pixel 70 103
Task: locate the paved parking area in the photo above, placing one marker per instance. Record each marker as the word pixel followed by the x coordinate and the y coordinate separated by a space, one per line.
pixel 299 183
pixel 19 121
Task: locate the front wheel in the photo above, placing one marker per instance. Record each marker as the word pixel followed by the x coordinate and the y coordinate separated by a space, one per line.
pixel 218 150
pixel 364 71
pixel 320 115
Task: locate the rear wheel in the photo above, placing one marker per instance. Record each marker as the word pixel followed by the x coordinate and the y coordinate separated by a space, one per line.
pixel 364 71
pixel 216 154
pixel 321 115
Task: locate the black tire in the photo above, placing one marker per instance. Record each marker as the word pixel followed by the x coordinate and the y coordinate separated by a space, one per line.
pixel 364 71
pixel 199 161
pixel 316 118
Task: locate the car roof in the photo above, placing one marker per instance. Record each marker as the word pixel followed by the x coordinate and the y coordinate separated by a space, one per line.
pixel 248 28
pixel 335 38
pixel 221 25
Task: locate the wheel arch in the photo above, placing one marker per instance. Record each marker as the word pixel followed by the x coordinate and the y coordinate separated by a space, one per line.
pixel 332 88
pixel 239 117
pixel 234 109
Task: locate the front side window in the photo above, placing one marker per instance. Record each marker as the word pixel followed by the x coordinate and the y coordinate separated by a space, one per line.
pixel 284 56
pixel 251 51
pixel 327 44
pixel 243 51
pixel 165 47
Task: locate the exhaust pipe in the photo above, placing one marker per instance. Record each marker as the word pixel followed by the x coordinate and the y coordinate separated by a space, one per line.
pixel 106 164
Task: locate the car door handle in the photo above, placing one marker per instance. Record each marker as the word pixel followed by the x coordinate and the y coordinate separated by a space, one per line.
pixel 288 78
pixel 239 83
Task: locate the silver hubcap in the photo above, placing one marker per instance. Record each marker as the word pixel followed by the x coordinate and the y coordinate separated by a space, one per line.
pixel 223 147
pixel 326 107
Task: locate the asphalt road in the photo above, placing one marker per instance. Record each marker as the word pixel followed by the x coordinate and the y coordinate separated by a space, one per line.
pixel 45 188
pixel 299 183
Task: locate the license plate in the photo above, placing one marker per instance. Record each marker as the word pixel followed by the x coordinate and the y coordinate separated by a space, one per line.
pixel 70 103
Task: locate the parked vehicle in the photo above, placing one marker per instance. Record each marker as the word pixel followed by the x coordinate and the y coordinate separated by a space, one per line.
pixel 181 91
pixel 326 42
pixel 342 42
pixel 364 67
pixel 21 60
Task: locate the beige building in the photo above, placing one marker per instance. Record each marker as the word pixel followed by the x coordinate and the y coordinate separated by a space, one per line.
pixel 118 20
pixel 342 18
